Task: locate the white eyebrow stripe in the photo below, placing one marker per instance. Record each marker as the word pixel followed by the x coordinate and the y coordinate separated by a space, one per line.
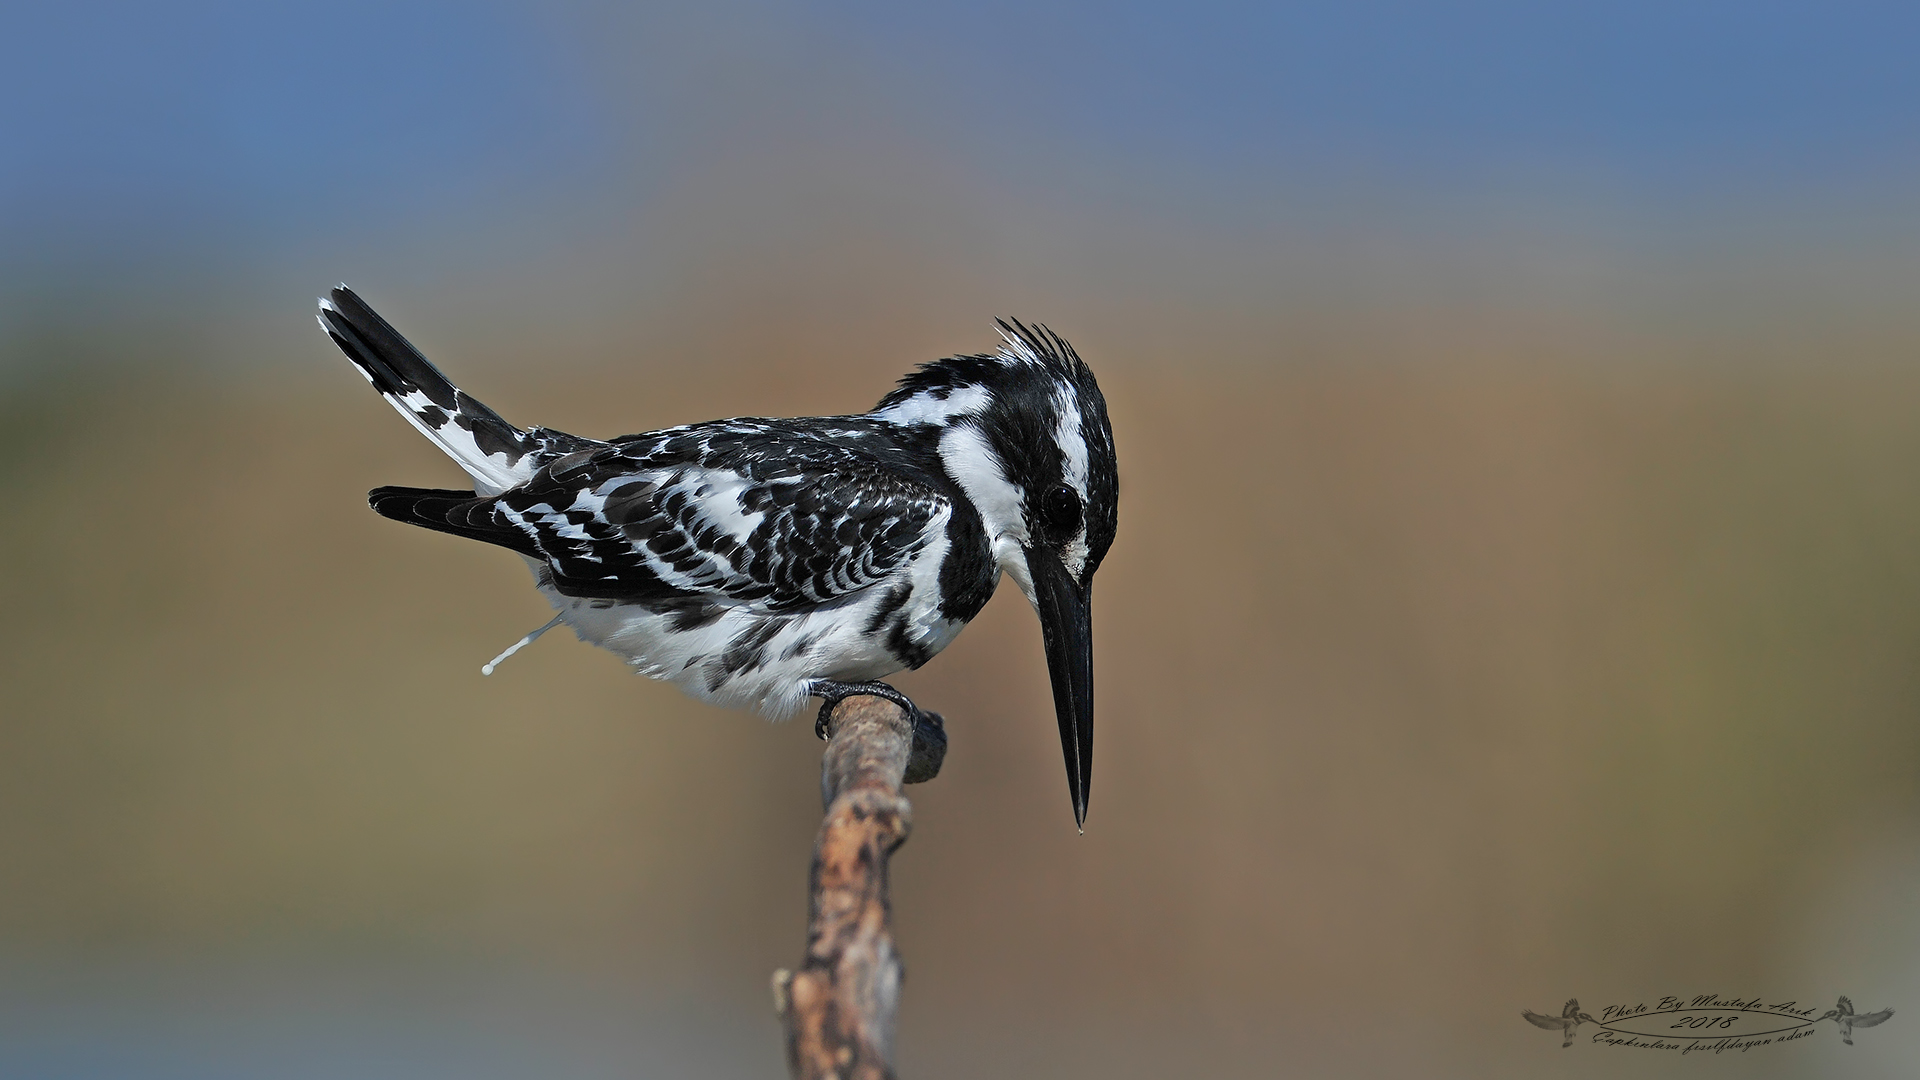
pixel 979 472
pixel 1072 440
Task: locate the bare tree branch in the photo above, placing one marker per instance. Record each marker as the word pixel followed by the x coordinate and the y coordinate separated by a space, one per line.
pixel 839 1008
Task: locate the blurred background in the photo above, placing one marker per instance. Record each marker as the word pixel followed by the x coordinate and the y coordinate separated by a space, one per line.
pixel 1516 595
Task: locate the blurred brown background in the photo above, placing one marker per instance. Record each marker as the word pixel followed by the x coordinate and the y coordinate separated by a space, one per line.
pixel 1515 596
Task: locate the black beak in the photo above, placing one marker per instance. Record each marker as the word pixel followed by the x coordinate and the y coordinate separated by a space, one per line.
pixel 1066 625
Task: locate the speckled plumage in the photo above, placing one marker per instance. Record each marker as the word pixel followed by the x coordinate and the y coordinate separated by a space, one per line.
pixel 747 560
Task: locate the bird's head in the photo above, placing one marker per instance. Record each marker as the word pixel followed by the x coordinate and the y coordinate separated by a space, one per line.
pixel 1024 433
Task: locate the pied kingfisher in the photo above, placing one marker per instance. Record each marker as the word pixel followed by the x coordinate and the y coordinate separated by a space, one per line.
pixel 1570 1018
pixel 759 562
pixel 1848 1019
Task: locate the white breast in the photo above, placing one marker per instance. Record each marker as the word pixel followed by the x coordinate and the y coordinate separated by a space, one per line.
pixel 751 658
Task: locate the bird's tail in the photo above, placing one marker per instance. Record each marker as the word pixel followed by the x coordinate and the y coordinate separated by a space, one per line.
pixel 491 450
pixel 461 513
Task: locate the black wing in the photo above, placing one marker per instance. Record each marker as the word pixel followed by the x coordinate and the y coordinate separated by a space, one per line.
pixel 735 511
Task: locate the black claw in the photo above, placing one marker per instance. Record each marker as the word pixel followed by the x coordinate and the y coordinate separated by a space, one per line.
pixel 929 730
pixel 833 693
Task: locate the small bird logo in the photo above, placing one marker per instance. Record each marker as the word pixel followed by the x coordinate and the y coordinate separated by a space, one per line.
pixel 1844 1016
pixel 1570 1017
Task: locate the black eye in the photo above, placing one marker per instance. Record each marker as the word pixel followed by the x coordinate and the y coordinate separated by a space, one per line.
pixel 1060 513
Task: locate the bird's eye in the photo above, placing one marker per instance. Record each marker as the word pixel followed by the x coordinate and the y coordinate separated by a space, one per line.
pixel 1060 513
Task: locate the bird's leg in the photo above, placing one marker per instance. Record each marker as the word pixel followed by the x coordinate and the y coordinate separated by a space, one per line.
pixel 832 693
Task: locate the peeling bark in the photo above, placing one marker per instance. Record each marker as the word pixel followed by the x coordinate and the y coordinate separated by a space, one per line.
pixel 839 1007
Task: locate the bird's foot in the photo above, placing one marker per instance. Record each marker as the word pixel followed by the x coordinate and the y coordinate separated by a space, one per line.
pixel 832 693
pixel 929 730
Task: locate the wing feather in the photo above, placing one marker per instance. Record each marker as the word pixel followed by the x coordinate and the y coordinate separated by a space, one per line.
pixel 749 512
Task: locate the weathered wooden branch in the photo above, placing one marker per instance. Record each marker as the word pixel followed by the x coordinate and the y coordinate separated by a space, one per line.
pixel 839 1008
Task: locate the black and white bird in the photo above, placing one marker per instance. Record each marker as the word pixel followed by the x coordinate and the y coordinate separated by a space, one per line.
pixel 1570 1018
pixel 1844 1016
pixel 759 562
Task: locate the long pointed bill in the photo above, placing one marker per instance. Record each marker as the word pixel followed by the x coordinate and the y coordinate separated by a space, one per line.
pixel 1066 625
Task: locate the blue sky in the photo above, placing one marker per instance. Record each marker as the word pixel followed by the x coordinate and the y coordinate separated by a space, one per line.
pixel 146 120
pixel 1651 90
pixel 239 131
